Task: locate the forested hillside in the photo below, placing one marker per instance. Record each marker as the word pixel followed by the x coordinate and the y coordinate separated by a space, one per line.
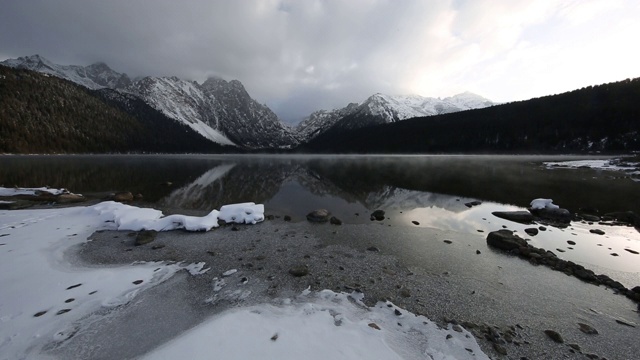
pixel 45 114
pixel 598 118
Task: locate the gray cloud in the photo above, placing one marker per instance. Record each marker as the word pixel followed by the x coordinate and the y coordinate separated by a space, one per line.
pixel 301 56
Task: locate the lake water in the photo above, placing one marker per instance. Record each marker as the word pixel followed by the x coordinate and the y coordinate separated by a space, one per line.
pixel 431 190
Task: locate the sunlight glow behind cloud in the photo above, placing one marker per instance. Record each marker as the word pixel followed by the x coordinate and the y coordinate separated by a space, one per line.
pixel 300 56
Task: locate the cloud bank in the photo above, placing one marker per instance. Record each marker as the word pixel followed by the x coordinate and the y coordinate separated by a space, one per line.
pixel 301 56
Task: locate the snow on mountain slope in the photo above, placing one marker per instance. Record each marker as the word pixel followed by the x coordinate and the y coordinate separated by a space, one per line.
pixel 243 119
pixel 380 108
pixel 221 111
pixel 183 101
pixel 320 121
pixel 95 76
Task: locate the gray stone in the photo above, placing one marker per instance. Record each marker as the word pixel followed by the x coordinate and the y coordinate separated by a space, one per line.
pixel 145 237
pixel 554 335
pixel 299 270
pixel 522 217
pixel 377 215
pixel 505 240
pixel 319 216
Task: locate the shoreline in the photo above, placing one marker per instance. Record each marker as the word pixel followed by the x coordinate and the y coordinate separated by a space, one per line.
pixel 497 297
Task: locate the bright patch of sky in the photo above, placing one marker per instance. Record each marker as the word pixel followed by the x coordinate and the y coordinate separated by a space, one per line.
pixel 301 56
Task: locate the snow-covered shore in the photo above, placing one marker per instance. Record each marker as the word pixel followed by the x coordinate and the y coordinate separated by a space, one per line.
pixel 46 300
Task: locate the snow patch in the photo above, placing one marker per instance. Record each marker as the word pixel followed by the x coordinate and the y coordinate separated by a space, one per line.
pixel 322 325
pixel 543 204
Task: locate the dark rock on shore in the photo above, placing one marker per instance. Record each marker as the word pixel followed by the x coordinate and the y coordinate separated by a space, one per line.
pixel 335 221
pixel 596 231
pixel 377 215
pixel 511 243
pixel 145 237
pixel 627 217
pixel 69 198
pixel 553 214
pixel 124 196
pixel 299 270
pixel 555 336
pixel 531 231
pixel 587 329
pixel 319 216
pixel 505 240
pixel 522 217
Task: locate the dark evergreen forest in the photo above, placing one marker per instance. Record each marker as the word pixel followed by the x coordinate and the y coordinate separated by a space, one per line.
pixel 602 118
pixel 45 114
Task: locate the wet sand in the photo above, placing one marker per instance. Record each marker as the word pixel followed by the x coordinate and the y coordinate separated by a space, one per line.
pixel 410 266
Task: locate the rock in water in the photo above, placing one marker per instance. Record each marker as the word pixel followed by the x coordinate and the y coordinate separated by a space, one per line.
pixel 531 231
pixel 377 215
pixel 145 237
pixel 319 216
pixel 555 214
pixel 523 217
pixel 505 240
pixel 335 221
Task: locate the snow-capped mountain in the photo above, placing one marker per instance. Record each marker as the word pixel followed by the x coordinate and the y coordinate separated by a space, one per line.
pixel 95 76
pixel 183 101
pixel 221 111
pixel 380 109
pixel 243 119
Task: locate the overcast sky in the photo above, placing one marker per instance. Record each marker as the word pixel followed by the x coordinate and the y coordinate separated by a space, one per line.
pixel 298 56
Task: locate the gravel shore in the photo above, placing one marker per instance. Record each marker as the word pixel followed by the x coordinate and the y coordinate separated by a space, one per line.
pixel 506 302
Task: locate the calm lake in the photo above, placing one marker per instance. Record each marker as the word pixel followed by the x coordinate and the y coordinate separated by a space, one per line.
pixel 430 190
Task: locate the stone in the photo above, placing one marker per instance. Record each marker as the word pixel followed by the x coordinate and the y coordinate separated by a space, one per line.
pixel 448 241
pixel 287 218
pixel 596 231
pixel 500 349
pixel 404 292
pixel 299 270
pixel 531 231
pixel 415 222
pixel 555 336
pixel 587 329
pixel 473 203
pixel 69 198
pixel 319 216
pixel 522 217
pixel 631 251
pixel 374 326
pixel 505 240
pixel 377 215
pixel 571 242
pixel 554 214
pixel 636 289
pixel 628 217
pixel 335 221
pixel 123 196
pixel 145 237
pixel 373 248
pixel 625 323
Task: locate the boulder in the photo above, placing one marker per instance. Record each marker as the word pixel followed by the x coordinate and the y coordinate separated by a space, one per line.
pixel 377 215
pixel 335 221
pixel 522 217
pixel 505 240
pixel 627 217
pixel 531 231
pixel 69 198
pixel 554 214
pixel 319 216
pixel 125 196
pixel 145 237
